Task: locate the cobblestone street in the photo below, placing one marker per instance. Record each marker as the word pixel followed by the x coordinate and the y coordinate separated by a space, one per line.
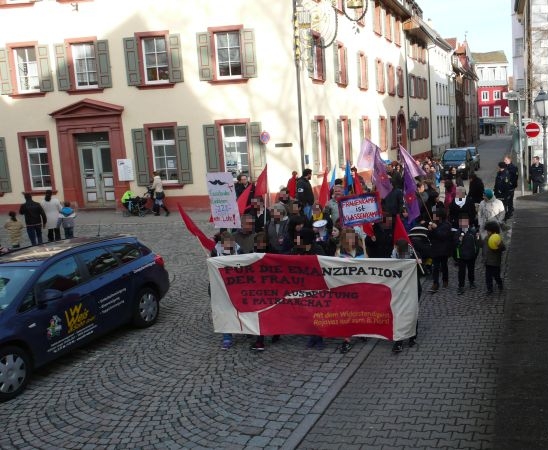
pixel 171 386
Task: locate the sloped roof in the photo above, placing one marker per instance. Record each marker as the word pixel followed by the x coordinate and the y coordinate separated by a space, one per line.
pixel 497 56
pixel 452 42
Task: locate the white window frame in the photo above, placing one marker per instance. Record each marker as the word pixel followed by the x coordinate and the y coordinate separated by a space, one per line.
pixel 485 96
pixel 158 65
pixel 161 146
pixel 30 66
pixel 496 111
pixel 485 111
pixel 38 151
pixel 496 95
pixel 229 48
pixel 233 143
pixel 84 65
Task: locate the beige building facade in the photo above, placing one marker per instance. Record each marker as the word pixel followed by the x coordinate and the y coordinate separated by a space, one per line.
pixel 103 93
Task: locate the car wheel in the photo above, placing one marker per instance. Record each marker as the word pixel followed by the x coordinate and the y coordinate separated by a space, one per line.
pixel 147 308
pixel 15 371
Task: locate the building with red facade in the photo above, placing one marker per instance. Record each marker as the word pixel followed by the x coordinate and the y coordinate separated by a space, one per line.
pixel 492 71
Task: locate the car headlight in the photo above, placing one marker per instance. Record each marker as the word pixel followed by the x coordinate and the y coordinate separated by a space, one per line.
pixel 462 166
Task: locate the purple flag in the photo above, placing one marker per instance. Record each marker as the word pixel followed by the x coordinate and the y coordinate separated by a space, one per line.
pixel 380 177
pixel 409 195
pixel 366 158
pixel 414 169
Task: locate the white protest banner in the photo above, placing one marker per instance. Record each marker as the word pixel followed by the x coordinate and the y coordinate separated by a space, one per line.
pixel 358 209
pixel 222 198
pixel 268 294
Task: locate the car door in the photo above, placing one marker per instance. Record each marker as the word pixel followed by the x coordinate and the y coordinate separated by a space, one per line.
pixel 110 284
pixel 55 313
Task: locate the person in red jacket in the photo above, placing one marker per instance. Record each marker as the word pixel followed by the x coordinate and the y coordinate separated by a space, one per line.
pixel 292 185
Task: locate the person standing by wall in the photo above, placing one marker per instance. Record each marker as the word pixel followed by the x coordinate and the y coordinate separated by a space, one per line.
pixel 513 181
pixel 35 218
pixel 536 174
pixel 52 206
pixel 502 187
pixel 159 195
pixel 15 230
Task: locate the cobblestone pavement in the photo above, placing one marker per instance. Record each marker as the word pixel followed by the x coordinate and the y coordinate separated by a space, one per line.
pixel 170 386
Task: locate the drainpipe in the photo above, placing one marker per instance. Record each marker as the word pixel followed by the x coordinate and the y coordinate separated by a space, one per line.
pixel 299 96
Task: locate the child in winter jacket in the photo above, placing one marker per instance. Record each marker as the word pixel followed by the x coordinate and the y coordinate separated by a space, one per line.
pixel 15 229
pixel 66 220
pixel 493 247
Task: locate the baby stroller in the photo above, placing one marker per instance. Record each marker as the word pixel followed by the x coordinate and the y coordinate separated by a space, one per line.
pixel 422 245
pixel 137 206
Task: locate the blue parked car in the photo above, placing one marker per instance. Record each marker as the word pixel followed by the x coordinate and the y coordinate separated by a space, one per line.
pixel 58 296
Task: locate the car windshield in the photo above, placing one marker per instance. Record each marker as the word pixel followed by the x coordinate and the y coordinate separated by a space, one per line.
pixel 454 155
pixel 12 279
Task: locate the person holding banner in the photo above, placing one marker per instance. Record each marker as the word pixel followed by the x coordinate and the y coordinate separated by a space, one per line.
pixel 226 246
pixel 277 230
pixel 402 250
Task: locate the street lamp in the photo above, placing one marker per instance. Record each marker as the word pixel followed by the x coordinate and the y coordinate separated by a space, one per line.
pixel 541 107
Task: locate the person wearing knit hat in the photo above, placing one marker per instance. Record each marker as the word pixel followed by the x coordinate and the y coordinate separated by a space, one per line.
pixel 490 209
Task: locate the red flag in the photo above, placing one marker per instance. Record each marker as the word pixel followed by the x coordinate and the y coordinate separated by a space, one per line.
pixel 323 198
pixel 368 229
pixel 358 188
pixel 206 243
pixel 400 232
pixel 261 185
pixel 243 199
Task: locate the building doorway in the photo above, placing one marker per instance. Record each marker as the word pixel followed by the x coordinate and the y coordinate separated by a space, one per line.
pixel 96 171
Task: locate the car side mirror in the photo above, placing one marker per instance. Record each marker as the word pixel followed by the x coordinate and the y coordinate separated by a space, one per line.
pixel 48 295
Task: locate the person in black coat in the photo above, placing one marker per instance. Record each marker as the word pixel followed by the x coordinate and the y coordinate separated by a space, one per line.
pixel 513 180
pixel 441 238
pixel 476 188
pixel 536 175
pixel 462 205
pixel 502 186
pixel 305 195
pixel 35 218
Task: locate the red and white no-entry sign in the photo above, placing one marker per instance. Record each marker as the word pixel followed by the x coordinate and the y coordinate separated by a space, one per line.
pixel 532 129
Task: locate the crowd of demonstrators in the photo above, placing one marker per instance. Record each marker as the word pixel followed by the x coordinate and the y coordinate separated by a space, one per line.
pixel 458 227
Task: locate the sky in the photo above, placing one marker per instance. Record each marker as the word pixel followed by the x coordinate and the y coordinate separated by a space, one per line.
pixel 486 24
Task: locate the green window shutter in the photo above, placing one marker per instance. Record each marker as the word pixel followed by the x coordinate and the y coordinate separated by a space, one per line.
pixel 131 52
pixel 342 162
pixel 183 150
pixel 104 78
pixel 362 131
pixel 249 59
pixel 205 66
pixel 141 156
pixel 5 79
pixel 213 163
pixel 349 122
pixel 5 181
pixel 44 69
pixel 175 59
pixel 327 144
pixel 63 76
pixel 314 128
pixel 257 150
pixel 311 55
pixel 337 66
